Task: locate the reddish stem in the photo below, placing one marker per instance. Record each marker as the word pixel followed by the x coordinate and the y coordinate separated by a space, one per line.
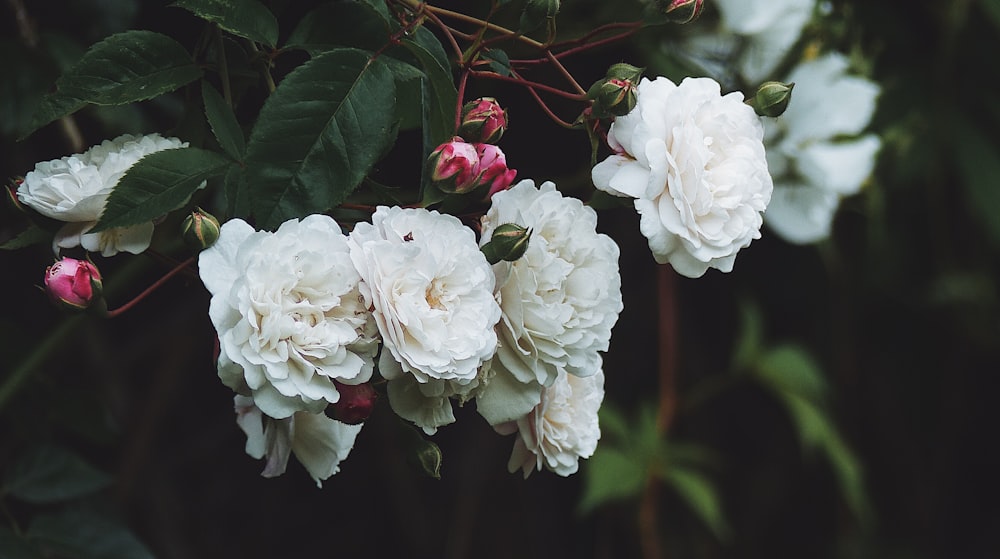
pixel 156 285
pixel 527 83
pixel 461 95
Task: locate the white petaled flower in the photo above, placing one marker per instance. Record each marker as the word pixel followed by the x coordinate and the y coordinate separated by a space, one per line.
pixel 289 314
pixel 767 28
pixel 432 294
pixel 814 149
pixel 694 161
pixel 320 443
pixel 559 301
pixel 561 429
pixel 75 189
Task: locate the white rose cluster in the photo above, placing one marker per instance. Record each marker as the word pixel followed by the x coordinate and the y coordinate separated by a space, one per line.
pixel 75 188
pixel 301 314
pixel 694 161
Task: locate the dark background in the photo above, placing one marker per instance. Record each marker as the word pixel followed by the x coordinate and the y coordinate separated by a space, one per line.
pixel 900 308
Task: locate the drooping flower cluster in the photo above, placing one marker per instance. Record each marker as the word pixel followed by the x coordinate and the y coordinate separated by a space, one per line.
pixel 694 162
pixel 75 188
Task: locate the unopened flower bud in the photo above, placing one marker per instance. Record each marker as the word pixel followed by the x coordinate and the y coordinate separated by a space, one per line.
pixel 493 168
pixel 483 121
pixel 771 98
pixel 200 229
pixel 73 284
pixel 681 11
pixel 624 71
pixel 355 404
pixel 508 242
pixel 454 166
pixel 613 97
pixel 12 192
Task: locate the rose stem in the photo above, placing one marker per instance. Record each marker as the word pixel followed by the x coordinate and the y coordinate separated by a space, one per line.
pixel 156 285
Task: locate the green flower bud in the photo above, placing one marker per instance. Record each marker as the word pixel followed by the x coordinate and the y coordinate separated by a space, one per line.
pixel 624 71
pixel 508 242
pixel 613 97
pixel 200 229
pixel 771 98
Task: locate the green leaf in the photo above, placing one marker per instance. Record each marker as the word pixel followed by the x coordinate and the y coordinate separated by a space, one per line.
pixel 48 474
pixel 700 495
pixel 499 61
pixel 790 369
pixel 422 454
pixel 992 9
pixel 319 134
pixel 614 423
pixel 50 108
pixel 159 183
pixel 16 547
pixel 380 7
pixel 236 192
pixel 979 164
pixel 751 337
pixel 33 235
pixel 340 24
pixel 611 474
pixel 245 18
pixel 86 534
pixel 223 122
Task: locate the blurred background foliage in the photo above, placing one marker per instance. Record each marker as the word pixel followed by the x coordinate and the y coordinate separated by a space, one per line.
pixel 834 401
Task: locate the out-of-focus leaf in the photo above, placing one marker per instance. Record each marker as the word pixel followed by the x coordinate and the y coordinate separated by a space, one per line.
pixel 700 495
pixel 499 61
pixel 992 9
pixel 123 68
pixel 613 423
pixel 790 369
pixel 86 534
pixel 33 235
pixel 610 474
pixel 978 160
pixel 48 474
pixel 13 546
pixel 421 453
pixel 340 24
pixel 159 183
pixel 319 134
pixel 751 337
pixel 245 18
pixel 223 122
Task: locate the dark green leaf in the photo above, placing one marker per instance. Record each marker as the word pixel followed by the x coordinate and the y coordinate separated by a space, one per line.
pixel 48 474
pixel 49 108
pixel 86 534
pixel 699 493
pixel 223 122
pixel 245 18
pixel 340 24
pixel 33 235
pixel 438 92
pixel 750 339
pixel 237 195
pixel 409 93
pixel 611 474
pixel 992 9
pixel 421 453
pixel 319 134
pixel 979 162
pixel 13 546
pixel 159 183
pixel 380 7
pixel 499 61
pixel 614 423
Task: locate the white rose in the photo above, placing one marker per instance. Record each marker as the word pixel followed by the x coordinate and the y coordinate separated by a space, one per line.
pixel 813 149
pixel 320 443
pixel 559 301
pixel 769 29
pixel 562 429
pixel 75 189
pixel 289 314
pixel 432 294
pixel 694 161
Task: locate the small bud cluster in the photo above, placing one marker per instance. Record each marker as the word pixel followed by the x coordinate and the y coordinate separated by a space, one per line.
pixel 615 95
pixel 460 166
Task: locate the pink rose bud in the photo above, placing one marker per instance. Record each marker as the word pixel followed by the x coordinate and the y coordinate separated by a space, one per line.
pixel 682 11
pixel 355 404
pixel 493 168
pixel 454 166
pixel 72 283
pixel 483 121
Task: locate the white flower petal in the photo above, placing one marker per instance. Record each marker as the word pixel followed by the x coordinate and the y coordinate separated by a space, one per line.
pixel 839 167
pixel 801 214
pixel 321 444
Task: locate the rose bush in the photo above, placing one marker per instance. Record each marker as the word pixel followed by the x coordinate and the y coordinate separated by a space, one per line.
pixel 288 312
pixel 694 161
pixel 559 300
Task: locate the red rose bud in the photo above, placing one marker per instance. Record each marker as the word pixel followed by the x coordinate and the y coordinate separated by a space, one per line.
pixel 454 166
pixel 493 168
pixel 483 121
pixel 74 284
pixel 355 404
pixel 682 11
